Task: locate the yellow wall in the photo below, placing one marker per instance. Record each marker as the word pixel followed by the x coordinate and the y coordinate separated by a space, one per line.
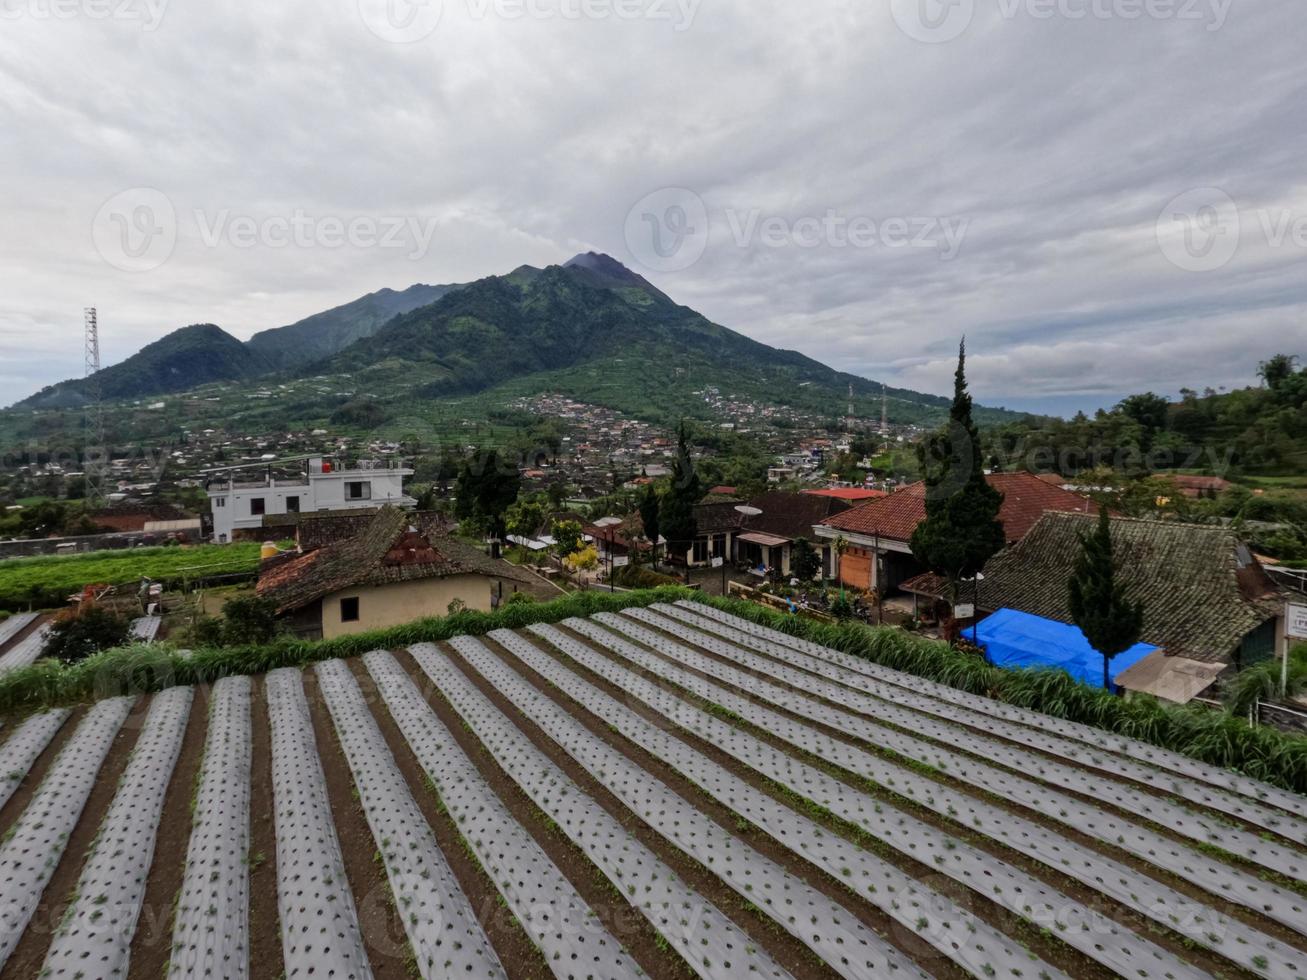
pixel 382 606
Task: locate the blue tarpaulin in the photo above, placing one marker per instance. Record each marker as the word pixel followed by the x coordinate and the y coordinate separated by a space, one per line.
pixel 1016 639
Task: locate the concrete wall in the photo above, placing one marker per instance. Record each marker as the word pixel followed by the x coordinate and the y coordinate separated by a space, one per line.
pixel 383 606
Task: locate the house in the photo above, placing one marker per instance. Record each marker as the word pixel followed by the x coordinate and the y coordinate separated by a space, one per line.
pixel 878 534
pixel 1206 597
pixel 239 504
pixel 763 540
pixel 387 574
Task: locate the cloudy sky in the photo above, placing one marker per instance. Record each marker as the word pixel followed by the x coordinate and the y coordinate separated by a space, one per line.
pixel 1105 196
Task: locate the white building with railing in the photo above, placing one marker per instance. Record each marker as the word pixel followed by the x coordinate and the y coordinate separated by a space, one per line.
pixel 239 503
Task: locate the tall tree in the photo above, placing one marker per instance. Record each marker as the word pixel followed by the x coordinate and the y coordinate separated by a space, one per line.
pixel 488 485
pixel 961 530
pixel 1110 622
pixel 649 517
pixel 805 563
pixel 1277 370
pixel 676 517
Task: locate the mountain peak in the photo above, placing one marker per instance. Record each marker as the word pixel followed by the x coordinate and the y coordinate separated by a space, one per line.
pixel 606 272
pixel 604 265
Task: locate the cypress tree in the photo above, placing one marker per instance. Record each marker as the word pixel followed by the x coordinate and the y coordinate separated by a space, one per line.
pixel 676 515
pixel 961 530
pixel 1110 622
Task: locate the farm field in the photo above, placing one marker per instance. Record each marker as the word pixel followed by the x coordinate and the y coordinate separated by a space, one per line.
pixel 48 579
pixel 669 792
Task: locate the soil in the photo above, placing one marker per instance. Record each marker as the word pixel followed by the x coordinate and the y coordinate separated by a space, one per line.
pixel 265 913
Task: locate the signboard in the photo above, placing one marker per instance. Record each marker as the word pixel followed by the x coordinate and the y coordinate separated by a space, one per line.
pixel 964 610
pixel 1295 621
pixel 718 562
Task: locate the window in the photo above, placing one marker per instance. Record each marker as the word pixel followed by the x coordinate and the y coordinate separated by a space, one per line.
pixel 359 490
pixel 700 549
pixel 349 610
pixel 292 505
pixel 257 506
pixel 220 501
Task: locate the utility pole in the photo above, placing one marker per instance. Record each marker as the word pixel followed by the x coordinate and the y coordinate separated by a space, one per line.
pixel 94 455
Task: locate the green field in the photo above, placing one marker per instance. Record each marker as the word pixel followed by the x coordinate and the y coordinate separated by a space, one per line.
pixel 46 581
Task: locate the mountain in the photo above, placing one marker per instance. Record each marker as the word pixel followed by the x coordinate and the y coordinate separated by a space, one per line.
pixel 590 328
pixel 596 330
pixel 183 359
pixel 323 334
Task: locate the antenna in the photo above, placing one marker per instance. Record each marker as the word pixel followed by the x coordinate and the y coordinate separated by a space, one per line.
pixel 93 454
pixel 884 411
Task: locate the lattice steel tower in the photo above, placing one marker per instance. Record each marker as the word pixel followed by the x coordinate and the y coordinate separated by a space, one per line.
pixel 94 456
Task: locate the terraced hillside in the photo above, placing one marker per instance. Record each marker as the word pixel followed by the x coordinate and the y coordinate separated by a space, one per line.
pixel 665 792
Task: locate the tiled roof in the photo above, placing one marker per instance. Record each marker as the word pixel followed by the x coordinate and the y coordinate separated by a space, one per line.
pixel 317 530
pixel 1026 498
pixel 784 514
pixel 792 515
pixel 386 551
pixel 848 493
pixel 716 518
pixel 1202 590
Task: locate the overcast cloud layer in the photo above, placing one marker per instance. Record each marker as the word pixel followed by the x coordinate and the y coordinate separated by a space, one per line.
pixel 1105 196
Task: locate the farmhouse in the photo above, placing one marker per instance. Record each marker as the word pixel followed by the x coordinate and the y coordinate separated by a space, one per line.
pixel 388 574
pixel 879 533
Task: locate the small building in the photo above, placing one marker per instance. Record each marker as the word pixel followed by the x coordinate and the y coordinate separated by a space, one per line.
pixel 388 574
pixel 879 533
pixel 1206 598
pixel 241 504
pixel 765 540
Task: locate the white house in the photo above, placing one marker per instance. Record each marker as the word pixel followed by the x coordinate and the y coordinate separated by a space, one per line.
pixel 239 503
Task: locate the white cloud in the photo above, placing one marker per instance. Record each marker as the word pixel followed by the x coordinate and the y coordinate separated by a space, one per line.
pixel 524 140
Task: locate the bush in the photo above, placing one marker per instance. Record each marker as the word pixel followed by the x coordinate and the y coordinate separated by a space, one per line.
pixel 639 577
pixel 248 619
pixel 76 636
pixel 144 669
pixel 520 599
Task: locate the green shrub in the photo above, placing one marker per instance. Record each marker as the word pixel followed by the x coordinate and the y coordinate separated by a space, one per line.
pixel 76 637
pixel 639 577
pixel 144 669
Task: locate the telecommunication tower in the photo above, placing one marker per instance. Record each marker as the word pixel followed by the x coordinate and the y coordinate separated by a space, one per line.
pixel 93 454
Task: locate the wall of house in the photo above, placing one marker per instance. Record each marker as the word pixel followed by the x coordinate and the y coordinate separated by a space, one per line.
pixel 382 606
pixel 855 568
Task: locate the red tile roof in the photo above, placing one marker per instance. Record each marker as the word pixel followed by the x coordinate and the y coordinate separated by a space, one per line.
pixel 848 493
pixel 1026 499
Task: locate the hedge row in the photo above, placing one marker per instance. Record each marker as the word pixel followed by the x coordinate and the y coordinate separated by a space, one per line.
pixel 1215 737
pixel 145 669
